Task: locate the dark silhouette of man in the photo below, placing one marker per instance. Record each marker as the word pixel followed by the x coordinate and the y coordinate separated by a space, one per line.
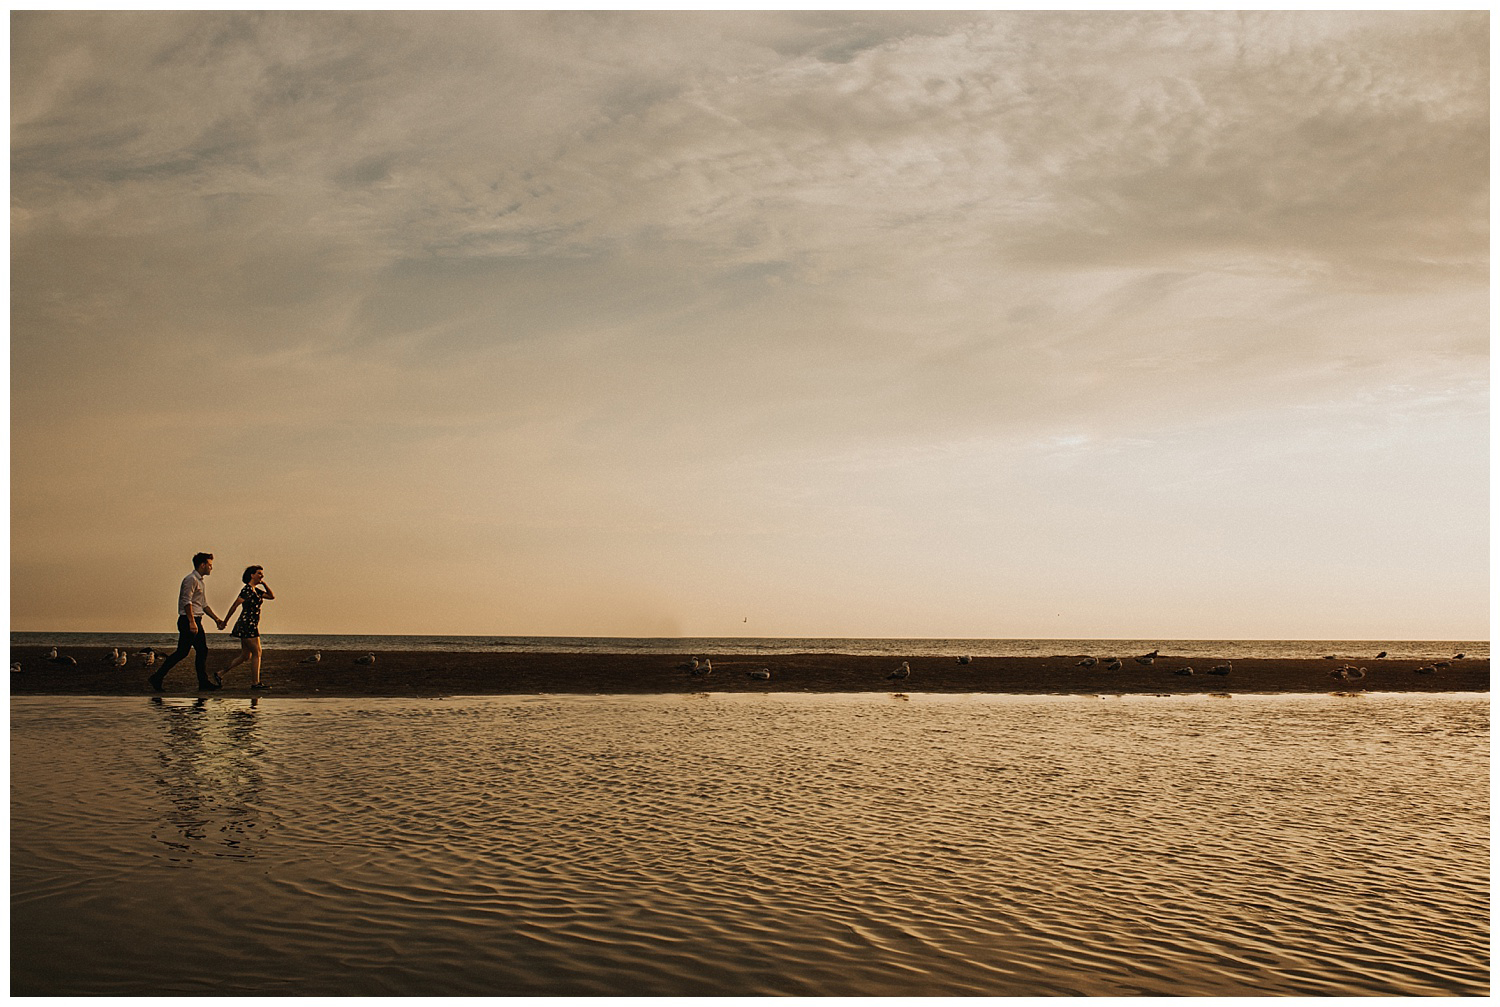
pixel 192 605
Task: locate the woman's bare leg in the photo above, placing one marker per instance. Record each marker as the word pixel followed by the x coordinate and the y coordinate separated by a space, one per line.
pixel 242 656
pixel 254 645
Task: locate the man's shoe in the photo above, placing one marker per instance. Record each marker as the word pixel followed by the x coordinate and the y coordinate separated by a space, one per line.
pixel 261 686
pixel 206 686
pixel 156 681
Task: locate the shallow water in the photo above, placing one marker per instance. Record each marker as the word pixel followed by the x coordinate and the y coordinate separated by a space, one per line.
pixel 751 845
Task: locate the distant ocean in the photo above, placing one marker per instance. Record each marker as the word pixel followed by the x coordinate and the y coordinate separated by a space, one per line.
pixel 1417 650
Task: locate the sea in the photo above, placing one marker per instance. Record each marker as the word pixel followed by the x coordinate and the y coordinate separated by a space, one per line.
pixel 772 844
pixel 1419 650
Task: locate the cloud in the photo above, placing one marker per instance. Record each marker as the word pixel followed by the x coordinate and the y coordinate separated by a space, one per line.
pixel 540 270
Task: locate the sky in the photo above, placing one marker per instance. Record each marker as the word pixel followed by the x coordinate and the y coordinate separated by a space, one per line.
pixel 970 324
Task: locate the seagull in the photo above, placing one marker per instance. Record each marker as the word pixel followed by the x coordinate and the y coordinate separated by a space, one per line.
pixel 144 651
pixel 65 659
pixel 317 656
pixel 901 672
pixel 150 658
pixel 1088 662
pixel 1145 659
pixel 1426 670
pixel 1222 669
pixel 368 659
pixel 1440 664
pixel 1114 664
pixel 706 668
pixel 120 659
pixel 1154 653
pixel 689 665
pixel 113 657
pixel 1458 657
pixel 52 654
pixel 1381 654
pixel 1330 657
pixel 1185 671
pixel 1348 674
pixel 966 659
pixel 761 675
pixel 15 667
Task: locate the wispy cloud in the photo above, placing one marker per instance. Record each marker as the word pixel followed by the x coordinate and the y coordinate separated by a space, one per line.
pixel 609 254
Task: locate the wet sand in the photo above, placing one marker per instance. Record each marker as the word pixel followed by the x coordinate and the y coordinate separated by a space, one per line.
pixel 426 673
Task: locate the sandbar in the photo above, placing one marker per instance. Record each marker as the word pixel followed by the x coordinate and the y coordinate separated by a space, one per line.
pixel 429 673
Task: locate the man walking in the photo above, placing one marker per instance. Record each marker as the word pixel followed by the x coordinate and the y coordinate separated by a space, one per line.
pixel 192 605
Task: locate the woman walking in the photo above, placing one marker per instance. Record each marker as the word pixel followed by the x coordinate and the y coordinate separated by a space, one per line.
pixel 255 591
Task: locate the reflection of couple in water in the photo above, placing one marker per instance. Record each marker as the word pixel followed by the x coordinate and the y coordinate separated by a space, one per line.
pixel 192 606
pixel 209 768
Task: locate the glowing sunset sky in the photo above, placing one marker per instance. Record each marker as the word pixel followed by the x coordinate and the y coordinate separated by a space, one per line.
pixel 882 324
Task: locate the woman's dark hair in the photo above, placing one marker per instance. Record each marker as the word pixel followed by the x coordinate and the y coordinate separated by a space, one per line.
pixel 250 570
pixel 199 557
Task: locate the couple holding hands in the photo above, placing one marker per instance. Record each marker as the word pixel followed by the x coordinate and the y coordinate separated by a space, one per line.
pixel 192 605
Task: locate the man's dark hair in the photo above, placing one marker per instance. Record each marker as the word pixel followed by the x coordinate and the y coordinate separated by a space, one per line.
pixel 199 557
pixel 249 570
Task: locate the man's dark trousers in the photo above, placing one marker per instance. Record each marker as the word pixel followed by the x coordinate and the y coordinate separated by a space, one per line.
pixel 188 640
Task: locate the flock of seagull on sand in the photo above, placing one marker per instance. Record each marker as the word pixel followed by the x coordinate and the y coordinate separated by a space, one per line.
pixel 148 657
pixel 703 667
pixel 1115 664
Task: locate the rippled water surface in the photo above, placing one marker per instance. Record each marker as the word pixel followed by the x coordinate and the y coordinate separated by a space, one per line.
pixel 751 845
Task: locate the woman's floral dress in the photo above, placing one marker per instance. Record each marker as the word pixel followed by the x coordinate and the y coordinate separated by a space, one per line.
pixel 248 624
